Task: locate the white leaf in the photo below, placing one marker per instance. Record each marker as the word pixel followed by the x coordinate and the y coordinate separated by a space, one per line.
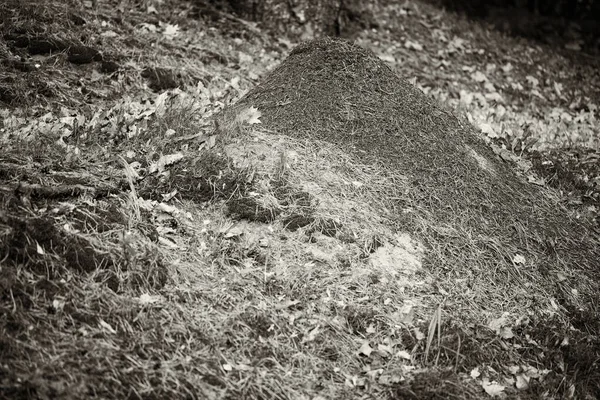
pixel 475 373
pixel 235 82
pixel 505 333
pixel 533 81
pixel 164 161
pixel 58 304
pixel 166 208
pixel 403 354
pixel 507 68
pixel 479 76
pixel 488 130
pixel 250 115
pixel 522 382
pixel 387 58
pixel 497 97
pixel 514 369
pixel 109 34
pixel 492 388
pixel 148 299
pixel 418 334
pixel 409 44
pixel 171 30
pixel 499 325
pixel 519 259
pixel 234 231
pixel 365 349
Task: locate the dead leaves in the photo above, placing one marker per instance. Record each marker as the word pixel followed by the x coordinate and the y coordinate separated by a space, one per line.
pixel 250 116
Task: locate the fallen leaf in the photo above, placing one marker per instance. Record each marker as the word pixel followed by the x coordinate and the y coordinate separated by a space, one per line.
pixel 488 130
pixel 109 34
pixel 522 382
pixel 249 115
pixel 499 325
pixel 479 77
pixel 519 259
pixel 418 334
pixel 233 232
pixel 409 44
pixel 164 161
pixel 492 388
pixel 533 81
pixel 506 333
pixel 148 299
pixel 171 30
pixel 456 44
pixel 166 208
pixel 507 68
pixel 387 58
pixel 365 349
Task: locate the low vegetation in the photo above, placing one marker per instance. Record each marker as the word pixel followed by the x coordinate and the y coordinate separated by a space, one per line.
pixel 195 205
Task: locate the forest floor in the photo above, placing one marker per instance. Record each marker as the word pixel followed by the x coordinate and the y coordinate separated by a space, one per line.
pixel 130 269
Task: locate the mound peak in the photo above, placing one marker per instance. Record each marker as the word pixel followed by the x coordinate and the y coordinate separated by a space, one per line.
pixel 332 90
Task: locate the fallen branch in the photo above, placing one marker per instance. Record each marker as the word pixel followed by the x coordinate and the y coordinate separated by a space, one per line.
pixel 60 191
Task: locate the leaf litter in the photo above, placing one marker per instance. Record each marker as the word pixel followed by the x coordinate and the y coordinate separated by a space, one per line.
pixel 287 257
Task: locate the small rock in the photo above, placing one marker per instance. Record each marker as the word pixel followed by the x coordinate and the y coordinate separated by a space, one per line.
pixel 83 54
pixel 108 67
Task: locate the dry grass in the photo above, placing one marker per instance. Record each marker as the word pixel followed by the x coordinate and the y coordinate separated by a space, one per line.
pixel 474 221
pixel 287 264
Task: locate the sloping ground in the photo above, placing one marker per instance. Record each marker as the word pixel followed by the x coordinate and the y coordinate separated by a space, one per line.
pixel 495 244
pixel 360 242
